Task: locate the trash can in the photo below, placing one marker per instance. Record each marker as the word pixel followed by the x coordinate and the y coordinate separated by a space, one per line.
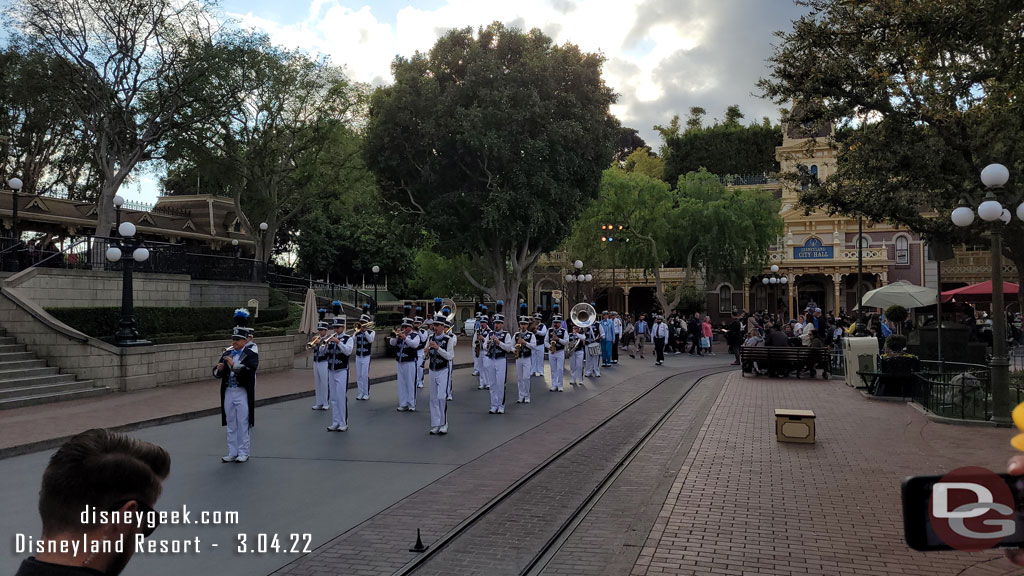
pixel 860 355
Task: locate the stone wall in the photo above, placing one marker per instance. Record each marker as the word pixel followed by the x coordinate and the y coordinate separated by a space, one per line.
pixel 120 368
pixel 214 293
pixel 58 287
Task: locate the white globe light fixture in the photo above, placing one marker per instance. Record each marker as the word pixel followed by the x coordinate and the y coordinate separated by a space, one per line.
pixel 140 254
pixel 990 210
pixel 1005 216
pixel 995 176
pixel 126 229
pixel 375 269
pixel 581 278
pixel 113 253
pixel 590 277
pixel 775 268
pixel 1020 211
pixel 234 241
pixel 783 280
pixel 118 200
pixel 15 184
pixel 569 277
pixel 264 226
pixel 578 264
pixel 765 281
pixel 964 216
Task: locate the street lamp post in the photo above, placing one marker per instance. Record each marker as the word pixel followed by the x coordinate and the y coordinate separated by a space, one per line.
pixel 376 271
pixel 15 185
pixel 774 280
pixel 127 335
pixel 256 276
pixel 994 177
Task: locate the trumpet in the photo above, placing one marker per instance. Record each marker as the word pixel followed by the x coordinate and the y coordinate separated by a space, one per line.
pixel 314 342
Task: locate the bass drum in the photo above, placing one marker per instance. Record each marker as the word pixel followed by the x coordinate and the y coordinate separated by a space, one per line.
pixel 594 349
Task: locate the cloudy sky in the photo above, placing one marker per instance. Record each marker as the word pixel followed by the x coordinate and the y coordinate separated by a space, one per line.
pixel 664 56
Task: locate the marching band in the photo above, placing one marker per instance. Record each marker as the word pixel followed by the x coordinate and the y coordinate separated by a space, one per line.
pixel 424 357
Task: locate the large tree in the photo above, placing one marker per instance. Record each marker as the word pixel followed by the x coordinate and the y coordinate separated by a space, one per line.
pixel 287 141
pixel 128 67
pixel 41 139
pixel 924 95
pixel 702 226
pixel 497 141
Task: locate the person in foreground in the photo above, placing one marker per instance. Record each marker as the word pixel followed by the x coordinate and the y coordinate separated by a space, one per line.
pixel 102 471
pixel 1015 467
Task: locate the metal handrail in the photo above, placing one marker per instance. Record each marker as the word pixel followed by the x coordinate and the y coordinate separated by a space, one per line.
pixel 59 252
pixel 12 246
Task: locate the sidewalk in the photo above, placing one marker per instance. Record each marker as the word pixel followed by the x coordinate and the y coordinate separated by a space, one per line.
pixel 744 503
pixel 44 426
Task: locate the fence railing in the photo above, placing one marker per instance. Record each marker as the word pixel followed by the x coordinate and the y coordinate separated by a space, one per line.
pixel 326 292
pixel 955 390
pixel 89 252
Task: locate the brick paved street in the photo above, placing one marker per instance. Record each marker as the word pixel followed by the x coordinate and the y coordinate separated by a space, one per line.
pixel 743 503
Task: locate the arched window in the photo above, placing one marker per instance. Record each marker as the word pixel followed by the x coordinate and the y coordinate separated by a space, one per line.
pixel 902 250
pixel 863 242
pixel 814 170
pixel 725 298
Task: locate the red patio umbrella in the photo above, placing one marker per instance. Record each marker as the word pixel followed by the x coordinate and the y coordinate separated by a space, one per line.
pixel 980 293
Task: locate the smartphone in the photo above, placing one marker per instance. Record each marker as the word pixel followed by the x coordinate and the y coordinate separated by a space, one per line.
pixel 982 510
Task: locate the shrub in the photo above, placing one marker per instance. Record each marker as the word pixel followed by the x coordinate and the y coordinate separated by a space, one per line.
pixel 896 314
pixel 101 322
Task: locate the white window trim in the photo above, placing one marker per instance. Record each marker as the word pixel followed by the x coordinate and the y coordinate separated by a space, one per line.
pixel 896 254
pixel 725 306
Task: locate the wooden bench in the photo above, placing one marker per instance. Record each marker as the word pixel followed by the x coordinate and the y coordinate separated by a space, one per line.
pixel 780 361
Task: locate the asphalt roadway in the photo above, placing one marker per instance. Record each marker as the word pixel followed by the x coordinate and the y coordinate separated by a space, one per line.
pixel 303 480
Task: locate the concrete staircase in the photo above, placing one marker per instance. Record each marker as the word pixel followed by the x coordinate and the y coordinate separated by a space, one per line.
pixel 26 380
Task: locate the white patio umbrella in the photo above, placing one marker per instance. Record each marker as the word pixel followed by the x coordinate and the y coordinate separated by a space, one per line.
pixel 309 313
pixel 900 293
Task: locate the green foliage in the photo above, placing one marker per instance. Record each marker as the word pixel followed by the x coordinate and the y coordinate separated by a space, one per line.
pixel 919 110
pixel 896 314
pixel 702 226
pixel 496 140
pixel 645 162
pixel 287 143
pixel 40 140
pixel 166 321
pixel 435 275
pixel 723 148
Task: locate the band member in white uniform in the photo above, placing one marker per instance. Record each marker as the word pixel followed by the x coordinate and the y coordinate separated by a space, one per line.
pixel 542 334
pixel 483 336
pixel 499 344
pixel 423 334
pixel 237 372
pixel 576 357
pixel 659 332
pixel 339 348
pixel 556 359
pixel 526 342
pixel 441 354
pixel 320 367
pixel 364 348
pixel 405 363
pixel 594 333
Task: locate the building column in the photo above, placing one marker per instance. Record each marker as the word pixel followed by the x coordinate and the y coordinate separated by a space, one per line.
pixel 792 294
pixel 625 296
pixel 837 280
pixel 746 296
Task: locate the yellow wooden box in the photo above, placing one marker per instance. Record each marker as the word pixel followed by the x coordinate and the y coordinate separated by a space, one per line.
pixel 794 426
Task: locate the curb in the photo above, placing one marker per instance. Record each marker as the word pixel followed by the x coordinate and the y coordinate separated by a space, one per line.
pixel 49 443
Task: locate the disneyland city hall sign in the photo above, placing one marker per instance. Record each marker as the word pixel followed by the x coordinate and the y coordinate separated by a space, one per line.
pixel 813 250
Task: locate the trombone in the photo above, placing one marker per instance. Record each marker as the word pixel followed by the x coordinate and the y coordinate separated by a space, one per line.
pixel 359 327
